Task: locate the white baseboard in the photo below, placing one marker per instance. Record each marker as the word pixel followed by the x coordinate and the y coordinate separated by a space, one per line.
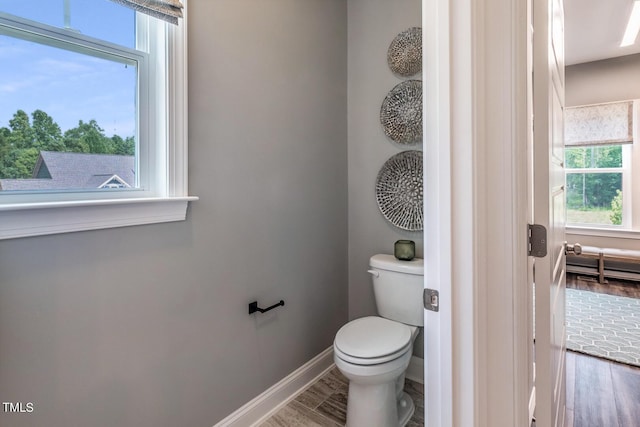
pixel 415 371
pixel 261 407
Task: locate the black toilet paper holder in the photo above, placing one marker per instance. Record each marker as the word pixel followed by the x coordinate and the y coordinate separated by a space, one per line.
pixel 253 307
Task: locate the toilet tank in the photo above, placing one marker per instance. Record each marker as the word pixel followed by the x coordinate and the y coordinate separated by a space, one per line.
pixel 398 287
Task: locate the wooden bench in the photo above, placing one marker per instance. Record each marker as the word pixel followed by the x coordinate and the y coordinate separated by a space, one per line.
pixel 606 262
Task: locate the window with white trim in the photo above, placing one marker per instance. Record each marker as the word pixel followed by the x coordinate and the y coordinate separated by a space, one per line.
pixel 93 116
pixel 600 165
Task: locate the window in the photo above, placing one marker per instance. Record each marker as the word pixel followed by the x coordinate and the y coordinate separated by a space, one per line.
pixel 600 165
pixel 594 184
pixel 92 117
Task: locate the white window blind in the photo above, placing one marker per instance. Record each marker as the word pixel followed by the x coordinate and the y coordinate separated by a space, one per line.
pixel 168 10
pixel 601 124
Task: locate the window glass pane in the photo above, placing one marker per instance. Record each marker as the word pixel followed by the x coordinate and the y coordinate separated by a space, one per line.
pixel 67 120
pixel 594 198
pixel 600 156
pixel 102 19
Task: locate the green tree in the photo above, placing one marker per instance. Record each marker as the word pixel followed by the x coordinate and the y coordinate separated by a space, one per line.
pixel 600 156
pixel 19 163
pixel 593 190
pixel 22 135
pixel 123 147
pixel 87 137
pixel 74 142
pixel 616 209
pixel 5 146
pixel 47 133
pixel 22 141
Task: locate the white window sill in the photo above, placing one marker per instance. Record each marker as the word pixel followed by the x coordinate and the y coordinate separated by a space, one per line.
pixel 36 219
pixel 604 232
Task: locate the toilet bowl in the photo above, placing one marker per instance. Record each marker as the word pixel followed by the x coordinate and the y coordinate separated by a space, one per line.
pixel 374 352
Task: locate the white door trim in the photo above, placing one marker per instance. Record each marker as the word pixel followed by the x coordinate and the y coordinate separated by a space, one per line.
pixel 437 211
pixel 476 371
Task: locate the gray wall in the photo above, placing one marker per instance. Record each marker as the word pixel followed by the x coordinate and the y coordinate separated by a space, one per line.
pixel 613 79
pixel 147 326
pixel 372 26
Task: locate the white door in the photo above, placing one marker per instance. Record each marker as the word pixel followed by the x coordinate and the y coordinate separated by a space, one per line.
pixel 549 211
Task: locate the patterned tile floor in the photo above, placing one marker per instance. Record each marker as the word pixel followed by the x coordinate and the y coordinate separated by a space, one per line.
pixel 604 325
pixel 324 404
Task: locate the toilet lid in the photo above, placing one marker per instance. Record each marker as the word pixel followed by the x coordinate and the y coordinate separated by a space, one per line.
pixel 372 337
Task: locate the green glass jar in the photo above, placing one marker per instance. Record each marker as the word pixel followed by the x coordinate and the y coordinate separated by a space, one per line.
pixel 404 250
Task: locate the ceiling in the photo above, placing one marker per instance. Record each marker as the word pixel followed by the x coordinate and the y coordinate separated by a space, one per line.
pixel 594 29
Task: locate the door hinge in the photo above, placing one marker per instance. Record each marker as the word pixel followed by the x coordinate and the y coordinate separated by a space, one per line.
pixel 431 299
pixel 537 241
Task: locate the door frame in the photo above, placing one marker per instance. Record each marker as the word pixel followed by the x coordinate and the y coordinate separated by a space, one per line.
pixel 438 333
pixel 477 346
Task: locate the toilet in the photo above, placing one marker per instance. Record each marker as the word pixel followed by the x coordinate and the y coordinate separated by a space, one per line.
pixel 374 352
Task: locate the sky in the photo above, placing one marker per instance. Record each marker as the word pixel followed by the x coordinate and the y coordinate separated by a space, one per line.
pixel 66 85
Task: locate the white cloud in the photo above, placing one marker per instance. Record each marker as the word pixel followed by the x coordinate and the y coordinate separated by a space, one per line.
pixel 13 86
pixel 10 48
pixel 51 66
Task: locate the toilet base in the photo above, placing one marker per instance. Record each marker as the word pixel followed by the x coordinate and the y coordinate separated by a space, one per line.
pixel 406 408
pixel 378 406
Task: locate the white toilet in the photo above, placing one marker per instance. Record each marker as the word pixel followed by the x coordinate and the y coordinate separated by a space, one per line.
pixel 374 352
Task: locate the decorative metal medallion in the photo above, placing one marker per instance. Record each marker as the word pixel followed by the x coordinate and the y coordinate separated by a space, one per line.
pixel 399 190
pixel 405 52
pixel 401 113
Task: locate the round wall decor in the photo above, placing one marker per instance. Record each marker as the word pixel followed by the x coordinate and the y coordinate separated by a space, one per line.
pixel 401 112
pixel 405 52
pixel 399 190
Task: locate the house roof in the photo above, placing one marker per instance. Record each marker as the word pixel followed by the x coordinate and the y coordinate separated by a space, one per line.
pixel 60 170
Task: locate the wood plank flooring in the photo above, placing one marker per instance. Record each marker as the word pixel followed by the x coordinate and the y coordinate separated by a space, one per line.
pixel 601 393
pixel 324 404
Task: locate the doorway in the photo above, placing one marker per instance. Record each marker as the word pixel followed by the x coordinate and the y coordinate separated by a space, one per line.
pixel 600 212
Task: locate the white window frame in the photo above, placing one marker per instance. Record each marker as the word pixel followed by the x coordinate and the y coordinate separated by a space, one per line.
pixel 630 227
pixel 165 165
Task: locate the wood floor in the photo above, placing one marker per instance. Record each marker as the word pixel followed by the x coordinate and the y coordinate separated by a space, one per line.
pixel 601 393
pixel 324 404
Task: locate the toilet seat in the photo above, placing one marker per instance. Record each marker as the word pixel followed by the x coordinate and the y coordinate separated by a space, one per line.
pixel 372 340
